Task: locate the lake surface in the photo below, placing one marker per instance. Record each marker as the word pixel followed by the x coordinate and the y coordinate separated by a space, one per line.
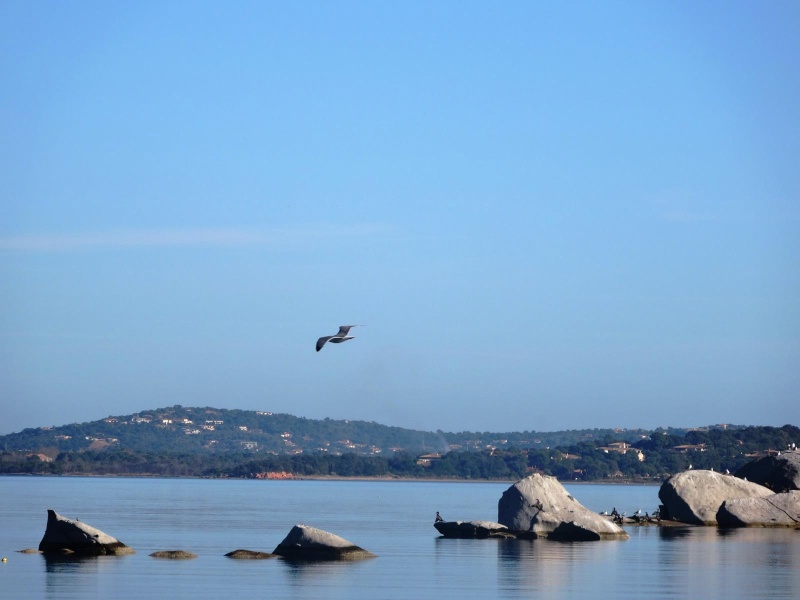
pixel 392 519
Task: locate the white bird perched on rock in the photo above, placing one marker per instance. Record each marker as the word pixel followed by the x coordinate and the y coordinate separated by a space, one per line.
pixel 340 337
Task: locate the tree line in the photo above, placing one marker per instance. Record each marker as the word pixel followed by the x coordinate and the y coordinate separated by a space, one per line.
pixel 664 454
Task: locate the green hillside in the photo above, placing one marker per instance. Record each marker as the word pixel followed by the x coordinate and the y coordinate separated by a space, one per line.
pixel 212 442
pixel 191 430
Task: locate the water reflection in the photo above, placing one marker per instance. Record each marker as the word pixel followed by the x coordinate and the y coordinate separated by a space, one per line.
pixel 756 563
pixel 69 576
pixel 317 579
pixel 70 563
pixel 550 568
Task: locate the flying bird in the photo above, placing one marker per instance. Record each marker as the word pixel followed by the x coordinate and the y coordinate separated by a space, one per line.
pixel 340 337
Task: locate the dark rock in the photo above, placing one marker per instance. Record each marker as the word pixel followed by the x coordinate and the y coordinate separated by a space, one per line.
pixel 779 473
pixel 249 555
pixel 65 535
pixel 778 510
pixel 539 506
pixel 173 554
pixel 308 543
pixel 471 529
pixel 694 497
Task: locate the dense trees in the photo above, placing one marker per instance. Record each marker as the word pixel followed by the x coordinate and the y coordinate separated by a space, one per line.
pixel 206 442
pixel 664 454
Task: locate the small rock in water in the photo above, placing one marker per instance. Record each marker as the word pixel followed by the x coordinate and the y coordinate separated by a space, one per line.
pixel 309 543
pixel 176 554
pixel 249 554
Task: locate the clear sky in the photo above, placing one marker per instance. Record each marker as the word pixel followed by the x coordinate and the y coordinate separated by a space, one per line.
pixel 547 215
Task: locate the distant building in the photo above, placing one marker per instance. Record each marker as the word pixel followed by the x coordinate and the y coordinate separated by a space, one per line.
pixel 425 460
pixel 684 448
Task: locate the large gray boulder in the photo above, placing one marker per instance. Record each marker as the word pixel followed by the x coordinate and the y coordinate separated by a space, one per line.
pixel 778 510
pixel 540 507
pixel 471 529
pixel 308 543
pixel 779 473
pixel 694 497
pixel 65 535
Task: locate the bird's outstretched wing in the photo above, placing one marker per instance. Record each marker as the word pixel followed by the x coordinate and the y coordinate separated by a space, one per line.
pixel 345 329
pixel 321 342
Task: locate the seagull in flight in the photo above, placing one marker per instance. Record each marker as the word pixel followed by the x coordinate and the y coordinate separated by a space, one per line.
pixel 340 337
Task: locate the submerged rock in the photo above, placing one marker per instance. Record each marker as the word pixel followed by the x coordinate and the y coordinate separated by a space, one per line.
pixel 694 497
pixel 64 535
pixel 471 529
pixel 173 554
pixel 308 543
pixel 778 510
pixel 780 473
pixel 249 554
pixel 540 507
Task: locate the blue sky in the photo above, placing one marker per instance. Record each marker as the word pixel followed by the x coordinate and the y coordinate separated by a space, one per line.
pixel 546 215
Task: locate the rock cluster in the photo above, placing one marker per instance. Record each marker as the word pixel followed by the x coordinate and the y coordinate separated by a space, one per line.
pixel 65 536
pixel 694 497
pixel 540 507
pixel 710 498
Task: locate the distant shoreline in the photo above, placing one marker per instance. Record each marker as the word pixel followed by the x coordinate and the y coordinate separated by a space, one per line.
pixel 386 478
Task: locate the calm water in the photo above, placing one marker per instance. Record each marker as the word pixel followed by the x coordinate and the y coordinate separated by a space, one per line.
pixel 391 519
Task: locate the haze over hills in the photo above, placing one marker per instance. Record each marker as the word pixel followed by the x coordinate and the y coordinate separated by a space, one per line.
pixel 205 429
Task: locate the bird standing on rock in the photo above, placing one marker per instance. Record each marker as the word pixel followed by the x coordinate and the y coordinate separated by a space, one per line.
pixel 340 337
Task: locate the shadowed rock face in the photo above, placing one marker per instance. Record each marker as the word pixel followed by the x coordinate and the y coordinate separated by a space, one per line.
pixel 308 543
pixel 65 535
pixel 249 555
pixel 778 510
pixel 694 497
pixel 174 554
pixel 778 473
pixel 471 529
pixel 540 506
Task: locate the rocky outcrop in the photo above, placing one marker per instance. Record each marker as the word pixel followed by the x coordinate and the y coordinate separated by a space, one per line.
pixel 694 497
pixel 249 555
pixel 540 507
pixel 308 543
pixel 64 535
pixel 471 529
pixel 780 473
pixel 174 554
pixel 777 510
